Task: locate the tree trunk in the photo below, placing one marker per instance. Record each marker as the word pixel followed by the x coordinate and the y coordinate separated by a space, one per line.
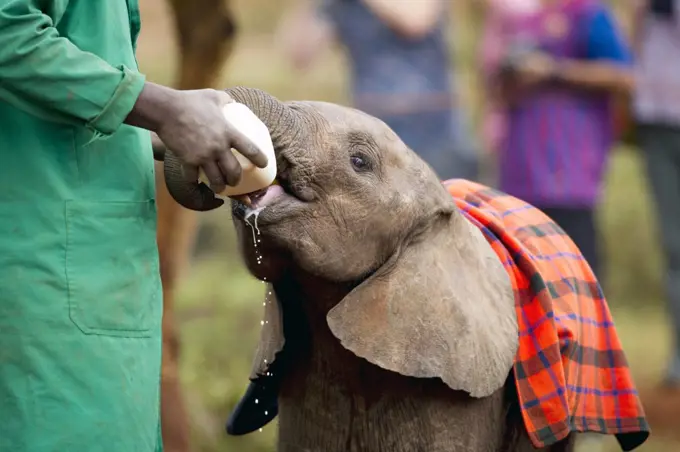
pixel 205 33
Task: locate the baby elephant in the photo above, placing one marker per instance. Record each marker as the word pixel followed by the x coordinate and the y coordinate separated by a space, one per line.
pixel 407 315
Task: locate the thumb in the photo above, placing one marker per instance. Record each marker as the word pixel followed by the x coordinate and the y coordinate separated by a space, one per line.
pixel 224 98
pixel 158 147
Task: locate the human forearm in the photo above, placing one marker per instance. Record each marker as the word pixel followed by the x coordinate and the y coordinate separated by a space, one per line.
pixel 154 104
pixel 608 61
pixel 601 75
pixel 46 75
pixel 407 17
pixel 305 32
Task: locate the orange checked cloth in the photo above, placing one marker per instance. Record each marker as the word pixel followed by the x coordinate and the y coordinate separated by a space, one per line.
pixel 571 372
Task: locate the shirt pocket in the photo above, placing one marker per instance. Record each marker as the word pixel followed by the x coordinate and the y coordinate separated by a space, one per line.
pixel 112 269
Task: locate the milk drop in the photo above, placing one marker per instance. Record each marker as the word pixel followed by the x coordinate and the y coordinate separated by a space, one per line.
pixel 254 213
pixel 256 232
pixel 253 226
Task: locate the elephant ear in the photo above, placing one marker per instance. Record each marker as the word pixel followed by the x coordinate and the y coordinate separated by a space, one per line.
pixel 443 307
pixel 259 406
pixel 271 336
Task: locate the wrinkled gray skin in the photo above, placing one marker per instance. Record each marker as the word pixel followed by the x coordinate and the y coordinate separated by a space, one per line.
pixel 393 326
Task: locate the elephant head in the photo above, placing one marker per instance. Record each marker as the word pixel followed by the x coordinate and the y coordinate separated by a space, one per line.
pixel 356 207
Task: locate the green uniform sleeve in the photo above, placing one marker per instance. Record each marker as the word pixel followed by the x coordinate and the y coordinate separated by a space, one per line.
pixel 46 75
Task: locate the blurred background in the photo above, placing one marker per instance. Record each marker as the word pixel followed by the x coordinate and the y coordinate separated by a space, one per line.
pixel 217 305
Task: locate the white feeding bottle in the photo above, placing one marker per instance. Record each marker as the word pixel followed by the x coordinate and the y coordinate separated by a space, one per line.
pixel 253 178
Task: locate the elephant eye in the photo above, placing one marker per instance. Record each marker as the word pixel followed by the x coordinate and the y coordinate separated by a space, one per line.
pixel 360 163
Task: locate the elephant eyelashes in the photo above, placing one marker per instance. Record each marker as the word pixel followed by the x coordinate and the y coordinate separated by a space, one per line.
pixel 360 163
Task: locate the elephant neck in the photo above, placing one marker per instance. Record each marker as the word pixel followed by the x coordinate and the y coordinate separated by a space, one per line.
pixel 332 400
pixel 310 345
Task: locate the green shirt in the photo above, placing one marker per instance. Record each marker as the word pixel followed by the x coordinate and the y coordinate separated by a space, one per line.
pixel 80 294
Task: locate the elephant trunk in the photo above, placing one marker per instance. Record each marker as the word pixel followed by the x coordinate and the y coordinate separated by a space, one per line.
pixel 283 125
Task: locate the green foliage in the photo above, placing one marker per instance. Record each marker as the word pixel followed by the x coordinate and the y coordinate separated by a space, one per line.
pixel 634 270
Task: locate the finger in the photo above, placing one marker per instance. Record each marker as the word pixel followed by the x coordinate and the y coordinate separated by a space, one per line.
pixel 247 148
pixel 190 173
pixel 224 97
pixel 231 168
pixel 245 199
pixel 214 175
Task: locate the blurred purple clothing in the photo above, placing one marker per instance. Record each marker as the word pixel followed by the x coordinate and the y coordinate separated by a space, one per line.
pixel 492 48
pixel 557 137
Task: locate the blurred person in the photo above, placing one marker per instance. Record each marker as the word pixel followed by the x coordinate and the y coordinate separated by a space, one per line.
pixel 564 62
pixel 80 292
pixel 400 71
pixel 656 32
pixel 497 13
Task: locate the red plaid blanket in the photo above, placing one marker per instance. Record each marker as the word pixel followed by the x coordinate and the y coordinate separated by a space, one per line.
pixel 571 372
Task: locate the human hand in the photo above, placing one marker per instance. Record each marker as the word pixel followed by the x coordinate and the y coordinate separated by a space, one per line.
pixel 192 126
pixel 195 130
pixel 535 67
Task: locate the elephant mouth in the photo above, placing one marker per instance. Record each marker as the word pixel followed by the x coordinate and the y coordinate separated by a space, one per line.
pixel 261 198
pixel 278 197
